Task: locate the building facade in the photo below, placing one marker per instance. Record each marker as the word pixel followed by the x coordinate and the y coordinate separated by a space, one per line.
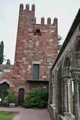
pixel 64 99
pixel 36 50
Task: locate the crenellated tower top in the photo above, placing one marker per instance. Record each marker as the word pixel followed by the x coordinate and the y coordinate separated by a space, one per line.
pixel 31 13
pixel 27 7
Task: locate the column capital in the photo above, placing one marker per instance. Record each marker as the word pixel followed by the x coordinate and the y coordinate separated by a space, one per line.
pixel 66 79
pixel 75 72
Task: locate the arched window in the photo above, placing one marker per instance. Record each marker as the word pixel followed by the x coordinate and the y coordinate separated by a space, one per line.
pixel 37 32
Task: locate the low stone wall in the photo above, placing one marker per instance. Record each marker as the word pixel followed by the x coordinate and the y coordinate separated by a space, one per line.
pixel 56 116
pixel 70 116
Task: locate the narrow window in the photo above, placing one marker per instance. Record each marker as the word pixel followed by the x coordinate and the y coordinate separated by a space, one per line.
pixel 36 71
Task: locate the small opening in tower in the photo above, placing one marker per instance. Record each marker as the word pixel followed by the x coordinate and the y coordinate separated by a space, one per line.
pixel 37 32
pixel 32 20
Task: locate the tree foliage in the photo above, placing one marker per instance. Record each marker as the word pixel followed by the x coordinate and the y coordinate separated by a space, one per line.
pixel 1 52
pixel 59 42
pixel 10 98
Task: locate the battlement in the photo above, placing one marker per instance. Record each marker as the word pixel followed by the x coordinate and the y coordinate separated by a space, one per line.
pixel 27 7
pixel 32 13
pixel 55 21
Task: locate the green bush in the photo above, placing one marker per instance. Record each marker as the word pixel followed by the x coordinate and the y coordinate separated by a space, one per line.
pixel 11 98
pixel 37 98
pixel 5 102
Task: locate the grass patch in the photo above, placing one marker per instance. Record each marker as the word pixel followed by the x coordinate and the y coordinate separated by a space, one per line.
pixel 6 115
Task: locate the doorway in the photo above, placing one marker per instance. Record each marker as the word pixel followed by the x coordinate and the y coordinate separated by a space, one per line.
pixel 21 96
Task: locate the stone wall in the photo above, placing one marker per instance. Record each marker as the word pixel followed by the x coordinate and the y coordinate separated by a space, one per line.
pixel 64 99
pixel 35 44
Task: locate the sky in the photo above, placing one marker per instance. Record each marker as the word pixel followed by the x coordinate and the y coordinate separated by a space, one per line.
pixel 64 10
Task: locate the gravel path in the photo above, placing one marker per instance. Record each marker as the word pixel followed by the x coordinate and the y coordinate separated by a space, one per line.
pixel 28 114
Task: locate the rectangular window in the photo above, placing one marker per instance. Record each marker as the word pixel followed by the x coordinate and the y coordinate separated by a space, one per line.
pixel 36 71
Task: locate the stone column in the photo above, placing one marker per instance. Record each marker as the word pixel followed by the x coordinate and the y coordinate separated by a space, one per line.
pixel 65 95
pixel 76 99
pixel 50 89
pixel 69 96
pixel 54 93
pixel 75 74
pixel 50 92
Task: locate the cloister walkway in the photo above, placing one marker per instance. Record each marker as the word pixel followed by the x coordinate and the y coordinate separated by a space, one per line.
pixel 28 114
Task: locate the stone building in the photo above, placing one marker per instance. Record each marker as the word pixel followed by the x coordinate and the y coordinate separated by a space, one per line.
pixel 64 99
pixel 36 50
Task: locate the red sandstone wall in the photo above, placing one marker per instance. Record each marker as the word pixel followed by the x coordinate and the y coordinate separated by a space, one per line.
pixel 31 47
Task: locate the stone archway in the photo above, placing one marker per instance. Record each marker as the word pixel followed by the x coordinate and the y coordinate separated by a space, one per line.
pixel 4 88
pixel 78 63
pixel 66 67
pixel 76 79
pixel 68 92
pixel 58 89
pixel 77 55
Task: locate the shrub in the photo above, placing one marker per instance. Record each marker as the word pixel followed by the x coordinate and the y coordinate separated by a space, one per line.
pixel 5 102
pixel 37 98
pixel 12 98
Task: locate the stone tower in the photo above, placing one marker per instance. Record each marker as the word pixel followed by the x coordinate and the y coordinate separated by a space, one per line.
pixel 37 44
pixel 36 51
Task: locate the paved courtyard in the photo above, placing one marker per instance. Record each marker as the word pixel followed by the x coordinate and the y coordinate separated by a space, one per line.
pixel 28 114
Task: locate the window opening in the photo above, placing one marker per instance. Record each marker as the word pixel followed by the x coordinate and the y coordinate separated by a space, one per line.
pixel 37 32
pixel 35 71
